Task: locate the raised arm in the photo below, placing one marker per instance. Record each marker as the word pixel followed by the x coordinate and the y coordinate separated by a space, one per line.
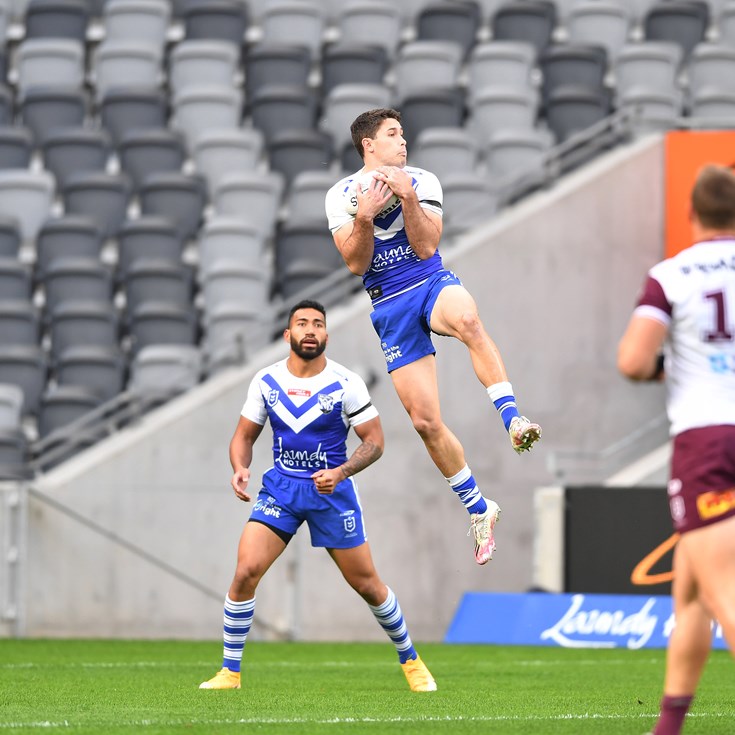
pixel 241 455
pixel 356 240
pixel 369 450
pixel 423 228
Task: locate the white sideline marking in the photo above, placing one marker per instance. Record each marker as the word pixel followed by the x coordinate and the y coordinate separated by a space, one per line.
pixel 354 720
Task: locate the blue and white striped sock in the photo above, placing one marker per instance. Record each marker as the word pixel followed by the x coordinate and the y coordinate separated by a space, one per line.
pixel 238 619
pixel 501 394
pixel 463 483
pixel 390 617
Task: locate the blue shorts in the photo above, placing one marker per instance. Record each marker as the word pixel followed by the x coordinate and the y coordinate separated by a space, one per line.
pixel 403 322
pixel 335 521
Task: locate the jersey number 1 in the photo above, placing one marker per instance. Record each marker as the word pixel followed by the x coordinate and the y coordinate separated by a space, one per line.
pixel 721 332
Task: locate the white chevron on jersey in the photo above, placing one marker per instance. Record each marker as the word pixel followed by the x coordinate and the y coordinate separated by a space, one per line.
pixel 310 417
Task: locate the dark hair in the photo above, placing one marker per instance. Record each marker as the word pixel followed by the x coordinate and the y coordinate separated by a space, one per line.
pixel 713 198
pixel 366 125
pixel 306 304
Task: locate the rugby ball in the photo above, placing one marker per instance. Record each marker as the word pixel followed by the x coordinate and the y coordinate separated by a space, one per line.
pixel 364 181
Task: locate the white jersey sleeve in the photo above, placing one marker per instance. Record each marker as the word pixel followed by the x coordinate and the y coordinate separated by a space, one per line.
pixel 335 204
pixel 357 406
pixel 254 407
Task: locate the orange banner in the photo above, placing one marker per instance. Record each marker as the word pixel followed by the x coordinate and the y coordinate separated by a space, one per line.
pixel 686 152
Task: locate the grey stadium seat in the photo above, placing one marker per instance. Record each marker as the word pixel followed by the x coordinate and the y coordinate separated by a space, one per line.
pixel 57 19
pixel 9 237
pixel 362 23
pixel 252 196
pixel 295 22
pixel 445 150
pixel 139 20
pixel 50 62
pixel 157 279
pixel 150 151
pixel 74 278
pixel 457 22
pixel 161 323
pixel 197 63
pixel 292 151
pixel 15 279
pixel 199 109
pixel 501 108
pixel 600 23
pixel 64 237
pixel 68 151
pixel 711 67
pixel 651 110
pixel 165 369
pixel 148 236
pixel 19 322
pixel 24 366
pixel 571 109
pixel 99 369
pixel 83 323
pixel 305 200
pixel 46 109
pixel 469 200
pixel 352 64
pixel 224 20
pixel 230 239
pixel 234 331
pixel 530 21
pixel 431 108
pixel 713 109
pixel 684 22
pixel 103 197
pixel 509 63
pixel 177 196
pixel 235 282
pixel 275 108
pixel 16 146
pixel 648 65
pixel 126 63
pixel 219 152
pixel 421 64
pixel 11 406
pixel 27 195
pixel 124 109
pixel 276 63
pixel 62 405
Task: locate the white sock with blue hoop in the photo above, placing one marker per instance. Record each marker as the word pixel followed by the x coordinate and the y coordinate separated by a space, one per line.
pixel 390 617
pixel 238 619
pixel 463 483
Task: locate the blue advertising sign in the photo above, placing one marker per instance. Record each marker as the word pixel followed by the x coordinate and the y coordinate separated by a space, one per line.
pixel 566 620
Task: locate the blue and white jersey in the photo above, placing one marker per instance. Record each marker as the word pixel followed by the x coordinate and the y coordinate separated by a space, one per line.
pixel 395 267
pixel 310 417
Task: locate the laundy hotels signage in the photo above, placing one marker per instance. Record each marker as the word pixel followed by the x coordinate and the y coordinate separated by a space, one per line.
pixel 566 620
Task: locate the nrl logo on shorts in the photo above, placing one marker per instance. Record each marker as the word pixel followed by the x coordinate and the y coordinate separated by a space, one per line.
pixel 326 403
pixel 273 397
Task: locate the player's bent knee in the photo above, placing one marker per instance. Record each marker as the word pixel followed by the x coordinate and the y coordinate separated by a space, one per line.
pixel 247 577
pixel 426 426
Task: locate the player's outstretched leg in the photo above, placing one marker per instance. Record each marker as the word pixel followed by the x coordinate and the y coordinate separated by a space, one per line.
pixel 523 434
pixel 482 526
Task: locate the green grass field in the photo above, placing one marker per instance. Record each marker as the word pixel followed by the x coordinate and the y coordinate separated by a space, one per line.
pixel 151 687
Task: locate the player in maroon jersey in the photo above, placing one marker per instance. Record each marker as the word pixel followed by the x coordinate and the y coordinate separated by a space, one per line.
pixel 687 309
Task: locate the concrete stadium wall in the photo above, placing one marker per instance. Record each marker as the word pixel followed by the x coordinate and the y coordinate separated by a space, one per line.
pixel 555 278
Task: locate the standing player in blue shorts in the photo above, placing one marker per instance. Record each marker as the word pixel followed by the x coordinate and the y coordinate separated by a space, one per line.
pixel 388 233
pixel 311 403
pixel 688 307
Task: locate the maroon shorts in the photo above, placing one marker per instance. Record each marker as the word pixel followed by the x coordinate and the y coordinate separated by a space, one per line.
pixel 702 485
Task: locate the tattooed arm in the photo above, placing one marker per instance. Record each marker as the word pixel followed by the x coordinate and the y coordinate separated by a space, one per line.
pixel 369 450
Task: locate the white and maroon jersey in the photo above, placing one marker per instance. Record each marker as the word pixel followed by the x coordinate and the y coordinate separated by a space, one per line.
pixel 310 417
pixel 395 267
pixel 693 294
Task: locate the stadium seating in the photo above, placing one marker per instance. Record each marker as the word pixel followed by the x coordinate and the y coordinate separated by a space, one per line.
pixel 159 160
